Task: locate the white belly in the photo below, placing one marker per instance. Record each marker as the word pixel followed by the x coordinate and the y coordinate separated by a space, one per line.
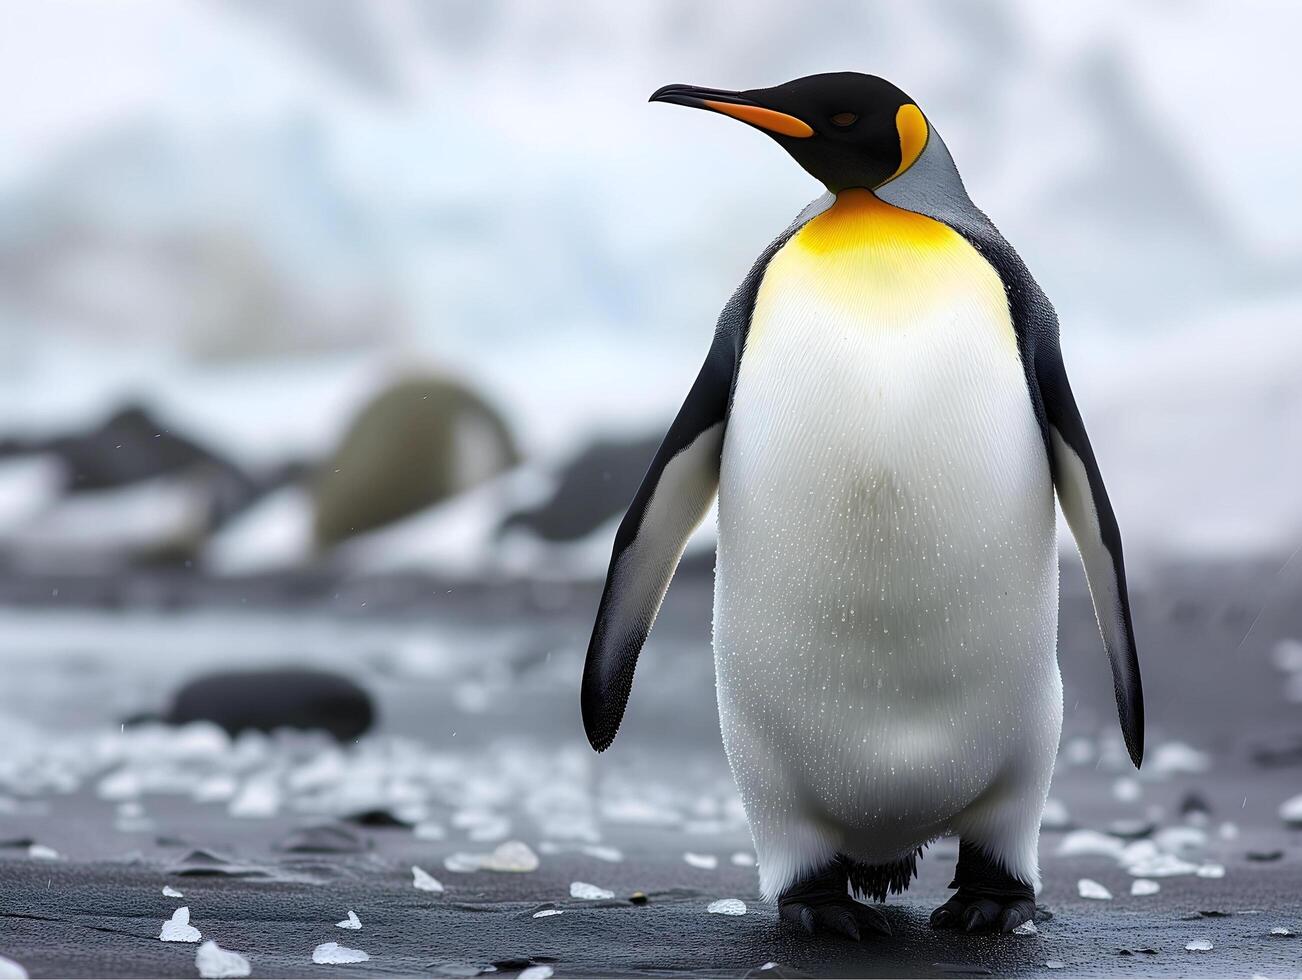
pixel 886 598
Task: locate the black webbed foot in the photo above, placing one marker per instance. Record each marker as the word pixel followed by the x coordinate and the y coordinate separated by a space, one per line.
pixel 822 904
pixel 988 899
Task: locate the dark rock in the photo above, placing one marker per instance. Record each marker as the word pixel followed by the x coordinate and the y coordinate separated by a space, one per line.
pixel 328 838
pixel 1265 855
pixel 1278 753
pixel 1131 829
pixel 638 898
pixel 1194 803
pixel 408 448
pixel 377 817
pixel 264 700
pixel 593 487
pixel 206 864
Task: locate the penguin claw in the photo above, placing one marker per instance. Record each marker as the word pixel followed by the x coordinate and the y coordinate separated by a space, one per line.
pixel 976 914
pixel 848 919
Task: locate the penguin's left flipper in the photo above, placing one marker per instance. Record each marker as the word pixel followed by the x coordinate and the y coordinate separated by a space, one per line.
pixel 674 497
pixel 1085 503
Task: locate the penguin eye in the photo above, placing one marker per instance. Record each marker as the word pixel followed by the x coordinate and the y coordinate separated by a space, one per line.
pixel 844 119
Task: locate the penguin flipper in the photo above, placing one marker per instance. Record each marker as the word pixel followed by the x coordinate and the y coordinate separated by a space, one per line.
pixel 674 497
pixel 1085 503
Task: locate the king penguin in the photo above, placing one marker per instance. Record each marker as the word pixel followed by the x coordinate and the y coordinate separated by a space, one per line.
pixel 884 416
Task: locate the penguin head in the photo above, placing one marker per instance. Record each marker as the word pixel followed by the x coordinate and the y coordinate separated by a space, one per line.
pixel 845 128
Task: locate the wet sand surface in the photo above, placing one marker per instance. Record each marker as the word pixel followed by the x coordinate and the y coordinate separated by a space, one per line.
pixel 479 745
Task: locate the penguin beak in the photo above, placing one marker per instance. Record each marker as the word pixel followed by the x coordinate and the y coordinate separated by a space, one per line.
pixel 735 104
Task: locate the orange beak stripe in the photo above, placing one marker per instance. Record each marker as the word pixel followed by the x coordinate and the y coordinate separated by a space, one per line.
pixel 770 119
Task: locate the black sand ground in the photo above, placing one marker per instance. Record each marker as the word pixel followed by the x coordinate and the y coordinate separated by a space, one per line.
pixel 1206 635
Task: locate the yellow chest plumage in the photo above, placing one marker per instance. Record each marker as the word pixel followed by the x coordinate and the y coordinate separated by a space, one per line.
pixel 867 264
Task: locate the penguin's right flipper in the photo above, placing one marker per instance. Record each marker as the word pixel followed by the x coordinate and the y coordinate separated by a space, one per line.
pixel 675 496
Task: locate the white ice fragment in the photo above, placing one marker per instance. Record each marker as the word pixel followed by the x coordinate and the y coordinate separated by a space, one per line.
pixel 1176 840
pixel 1054 965
pixel 512 856
pixel 706 862
pixel 1177 758
pixel 1198 945
pixel 170 892
pixel 1079 842
pixel 1026 929
pixel 540 972
pixel 352 922
pixel 1281 931
pixel 334 953
pixel 1089 888
pixel 1160 866
pixel 1287 655
pixel 743 859
pixel 218 964
pixel 423 881
pixel 1078 751
pixel 429 830
pixel 215 789
pixel 1055 815
pixel 1290 811
pixel 603 853
pixel 581 889
pixel 177 929
pixel 42 853
pixel 258 799
pixel 461 862
pixel 1211 870
pixel 11 970
pixel 1144 886
pixel 547 913
pixel 727 906
pixel 1127 789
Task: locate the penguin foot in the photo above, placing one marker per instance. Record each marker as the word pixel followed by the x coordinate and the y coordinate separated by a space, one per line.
pixel 821 904
pixel 988 899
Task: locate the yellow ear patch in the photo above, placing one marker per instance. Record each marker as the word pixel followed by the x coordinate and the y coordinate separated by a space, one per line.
pixel 912 127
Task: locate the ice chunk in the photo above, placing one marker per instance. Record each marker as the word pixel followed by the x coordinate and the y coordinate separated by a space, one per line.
pixel 581 889
pixel 1198 945
pixel 352 922
pixel 546 913
pixel 1287 655
pixel 42 853
pixel 706 862
pixel 1144 886
pixel 540 972
pixel 1090 842
pixel 1054 965
pixel 423 881
pixel 1290 811
pixel 1159 866
pixel 743 859
pixel 11 970
pixel 429 830
pixel 1089 888
pixel 1276 931
pixel 513 855
pixel 1079 751
pixel 258 799
pixel 603 853
pixel 170 892
pixel 727 906
pixel 1211 870
pixel 334 953
pixel 1127 789
pixel 1177 758
pixel 217 963
pixel 1026 929
pixel 1055 815
pixel 177 929
pixel 215 789
pixel 1175 840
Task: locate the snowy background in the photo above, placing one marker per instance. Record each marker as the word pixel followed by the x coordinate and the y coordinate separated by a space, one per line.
pixel 248 218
